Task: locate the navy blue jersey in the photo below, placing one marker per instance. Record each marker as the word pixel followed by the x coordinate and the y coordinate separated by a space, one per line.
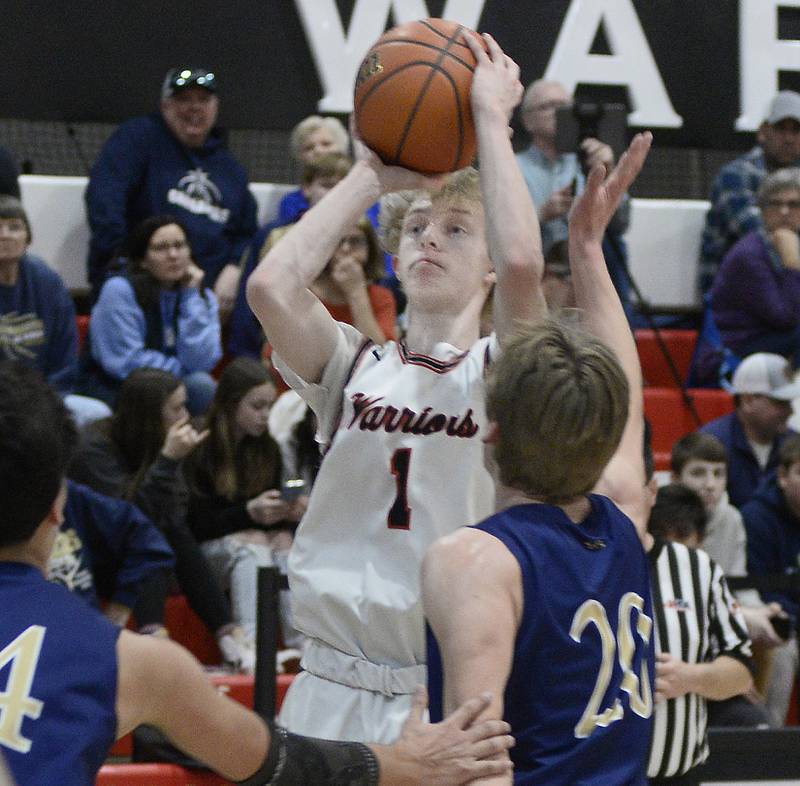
pixel 580 693
pixel 58 681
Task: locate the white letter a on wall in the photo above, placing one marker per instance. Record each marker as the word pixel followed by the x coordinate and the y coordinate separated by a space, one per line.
pixel 631 63
pixel 337 55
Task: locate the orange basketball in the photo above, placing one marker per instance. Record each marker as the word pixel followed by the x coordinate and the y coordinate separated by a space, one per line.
pixel 412 97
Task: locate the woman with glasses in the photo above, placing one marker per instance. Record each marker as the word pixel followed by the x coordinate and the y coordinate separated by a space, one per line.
pixel 755 298
pixel 156 315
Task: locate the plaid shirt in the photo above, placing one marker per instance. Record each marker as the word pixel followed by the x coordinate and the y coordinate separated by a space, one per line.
pixel 733 211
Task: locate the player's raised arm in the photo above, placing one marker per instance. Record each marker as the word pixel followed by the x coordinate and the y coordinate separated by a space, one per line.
pixel 512 227
pixel 623 479
pixel 295 322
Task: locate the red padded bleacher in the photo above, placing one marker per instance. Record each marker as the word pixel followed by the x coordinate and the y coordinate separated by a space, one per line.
pixel 82 321
pixel 187 629
pixel 155 775
pixel 671 418
pixel 655 369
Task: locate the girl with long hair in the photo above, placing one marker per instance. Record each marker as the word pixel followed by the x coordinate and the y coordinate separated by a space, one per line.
pixel 236 508
pixel 137 455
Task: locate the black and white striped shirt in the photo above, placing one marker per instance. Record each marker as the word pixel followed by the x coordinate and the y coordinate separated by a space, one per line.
pixel 697 619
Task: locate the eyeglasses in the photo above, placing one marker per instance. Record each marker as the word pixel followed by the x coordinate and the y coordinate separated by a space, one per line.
pixel 779 204
pixel 547 106
pixel 13 225
pixel 167 245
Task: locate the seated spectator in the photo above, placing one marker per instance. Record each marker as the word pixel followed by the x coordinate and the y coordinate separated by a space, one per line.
pixel 137 455
pixel 312 138
pixel 319 176
pixel 37 315
pixel 700 463
pixel 772 519
pixel 763 391
pixel 108 549
pixel 157 315
pixel 733 212
pixel 174 161
pixel 236 509
pixel 347 288
pixel 702 649
pixel 755 299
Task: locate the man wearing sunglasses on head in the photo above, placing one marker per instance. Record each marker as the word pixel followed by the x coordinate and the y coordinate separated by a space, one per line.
pixel 174 161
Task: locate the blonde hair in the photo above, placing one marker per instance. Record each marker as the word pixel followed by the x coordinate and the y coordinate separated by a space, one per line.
pixel 560 399
pixel 313 123
pixel 462 186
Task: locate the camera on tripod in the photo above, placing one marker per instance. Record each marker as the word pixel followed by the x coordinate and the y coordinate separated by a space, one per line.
pixel 592 119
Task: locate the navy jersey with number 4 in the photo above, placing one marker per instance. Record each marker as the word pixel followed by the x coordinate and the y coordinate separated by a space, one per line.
pixel 580 694
pixel 58 681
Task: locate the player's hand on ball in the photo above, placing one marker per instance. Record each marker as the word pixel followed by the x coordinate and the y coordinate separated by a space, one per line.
pixel 495 83
pixel 461 748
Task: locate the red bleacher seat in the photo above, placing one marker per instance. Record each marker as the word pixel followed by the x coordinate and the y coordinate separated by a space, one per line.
pixel 155 775
pixel 187 628
pixel 671 418
pixel 82 321
pixel 655 369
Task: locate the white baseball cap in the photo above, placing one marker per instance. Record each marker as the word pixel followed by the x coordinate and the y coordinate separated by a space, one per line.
pixel 767 374
pixel 786 104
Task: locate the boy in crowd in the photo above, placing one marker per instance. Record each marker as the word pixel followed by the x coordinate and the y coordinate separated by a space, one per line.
pixel 700 462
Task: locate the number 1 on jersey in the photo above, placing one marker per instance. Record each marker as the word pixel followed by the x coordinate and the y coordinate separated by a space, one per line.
pixel 400 514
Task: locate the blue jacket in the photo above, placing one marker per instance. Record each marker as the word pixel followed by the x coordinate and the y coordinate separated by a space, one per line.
pixel 773 537
pixel 744 472
pixel 118 335
pixel 143 170
pixel 106 547
pixel 37 323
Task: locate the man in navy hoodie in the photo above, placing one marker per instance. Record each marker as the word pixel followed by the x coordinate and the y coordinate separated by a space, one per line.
pixel 174 161
pixel 772 520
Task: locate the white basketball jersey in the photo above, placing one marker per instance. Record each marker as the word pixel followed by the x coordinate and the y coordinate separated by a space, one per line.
pixel 404 467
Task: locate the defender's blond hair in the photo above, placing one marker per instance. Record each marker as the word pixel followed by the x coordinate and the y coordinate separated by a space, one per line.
pixel 462 186
pixel 560 398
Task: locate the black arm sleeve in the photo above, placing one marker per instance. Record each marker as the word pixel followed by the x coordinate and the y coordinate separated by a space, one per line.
pixel 294 760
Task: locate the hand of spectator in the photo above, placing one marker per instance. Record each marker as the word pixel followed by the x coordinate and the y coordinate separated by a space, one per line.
pixel 673 677
pixel 557 205
pixel 348 274
pixel 597 152
pixel 298 508
pixel 787 244
pixel 759 624
pixel 194 276
pixel 268 508
pixel 182 439
pixel 225 288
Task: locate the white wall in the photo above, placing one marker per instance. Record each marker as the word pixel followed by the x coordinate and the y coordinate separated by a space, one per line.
pixel 663 241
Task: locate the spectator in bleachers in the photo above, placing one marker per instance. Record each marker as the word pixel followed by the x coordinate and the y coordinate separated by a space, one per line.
pixel 347 288
pixel 137 455
pixel 734 212
pixel 107 549
pixel 554 179
pixel 320 175
pixel 755 299
pixel 174 161
pixel 9 174
pixel 236 508
pixel 752 434
pixel 311 139
pixel 157 315
pixel 559 291
pixel 772 518
pixel 37 315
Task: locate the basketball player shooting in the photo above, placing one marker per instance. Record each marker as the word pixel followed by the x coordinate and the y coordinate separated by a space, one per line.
pixel 402 423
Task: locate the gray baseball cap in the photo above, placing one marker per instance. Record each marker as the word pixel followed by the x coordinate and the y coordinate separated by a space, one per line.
pixel 767 374
pixel 785 105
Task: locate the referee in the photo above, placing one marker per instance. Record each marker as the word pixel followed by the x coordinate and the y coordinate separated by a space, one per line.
pixel 702 647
